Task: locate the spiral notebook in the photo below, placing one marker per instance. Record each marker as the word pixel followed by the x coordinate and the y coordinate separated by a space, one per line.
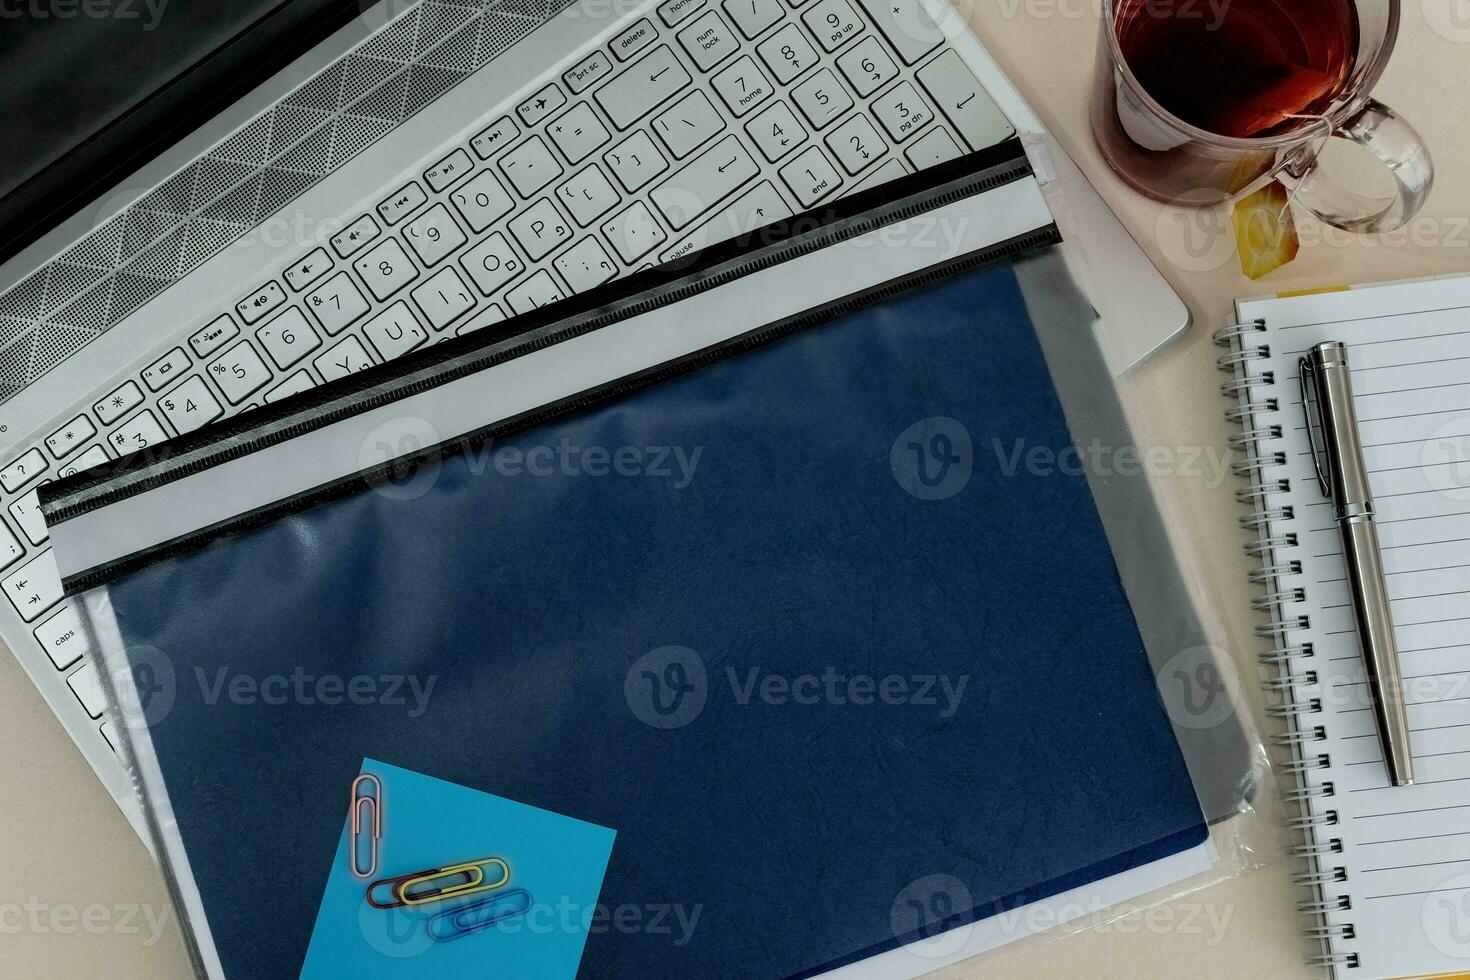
pixel 1388 868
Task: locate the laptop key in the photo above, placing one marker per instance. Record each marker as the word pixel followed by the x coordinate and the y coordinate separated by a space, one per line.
pixel 297 383
pixel 635 161
pixel 139 432
pixel 263 301
pixel 63 638
pixel 633 40
pixel 213 335
pixel 161 373
pixel 588 195
pixel 433 235
pixel 451 169
pixel 935 146
pixel 902 111
pixel 776 131
pixel 123 400
pixel 394 331
pixel 444 298
pixel 821 98
pixel 406 200
pixel 498 134
pixel 541 105
pixel 963 102
pixel 710 178
pixel 534 293
pixel 72 436
pixel 11 550
pixel 742 86
pixel 753 17
pixel 308 270
pixel 34 587
pixel 240 372
pixel 29 465
pixel 386 269
pixel 578 133
pixel 907 27
pixel 857 145
pixel 810 176
pixel 94 456
pixel 337 304
pixel 708 40
pixel 530 166
pixel 492 263
pixel 634 232
pixel 585 265
pixel 352 238
pixel 482 201
pixel 87 686
pixel 688 124
pixel 867 66
pixel 539 229
pixel 643 87
pixel 26 513
pixel 592 69
pixel 190 406
pixel 833 22
pixel 787 53
pixel 348 357
pixel 288 338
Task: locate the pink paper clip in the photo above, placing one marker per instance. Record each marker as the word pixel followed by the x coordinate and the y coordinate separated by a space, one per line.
pixel 359 801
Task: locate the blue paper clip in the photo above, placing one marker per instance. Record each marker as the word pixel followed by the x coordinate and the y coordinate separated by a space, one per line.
pixel 375 802
pixel 477 916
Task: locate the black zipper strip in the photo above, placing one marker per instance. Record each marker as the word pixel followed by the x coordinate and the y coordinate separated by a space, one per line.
pixel 599 396
pixel 420 371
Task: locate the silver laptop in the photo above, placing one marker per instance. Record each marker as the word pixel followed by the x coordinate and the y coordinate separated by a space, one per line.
pixel 438 167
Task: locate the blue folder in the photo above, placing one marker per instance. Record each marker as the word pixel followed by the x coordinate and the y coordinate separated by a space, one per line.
pixel 700 656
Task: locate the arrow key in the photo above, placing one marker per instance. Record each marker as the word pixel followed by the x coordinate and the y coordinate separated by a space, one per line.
pixel 959 96
pixel 34 587
pixel 712 176
pixel 776 131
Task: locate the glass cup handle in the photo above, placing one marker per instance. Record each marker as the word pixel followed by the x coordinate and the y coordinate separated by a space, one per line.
pixel 1395 144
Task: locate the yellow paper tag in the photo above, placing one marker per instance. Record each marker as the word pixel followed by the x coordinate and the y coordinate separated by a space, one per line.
pixel 1265 231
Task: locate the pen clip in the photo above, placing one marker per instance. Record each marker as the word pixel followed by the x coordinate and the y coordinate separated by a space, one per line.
pixel 1304 370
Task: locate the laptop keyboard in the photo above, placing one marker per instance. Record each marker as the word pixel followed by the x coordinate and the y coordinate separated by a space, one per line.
pixel 690 126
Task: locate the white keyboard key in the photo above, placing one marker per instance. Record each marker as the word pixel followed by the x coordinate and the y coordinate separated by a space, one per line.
pixel 634 232
pixel 674 11
pixel 448 171
pixel 534 293
pixel 63 638
pixel 708 40
pixel 109 735
pixel 138 433
pixel 29 465
pixel 709 179
pixel 297 383
pixel 891 169
pixel 190 406
pixel 34 587
pixel 588 195
pixel 776 131
pixel 482 201
pixel 405 201
pixel 787 53
pixel 489 315
pixel 585 265
pixel 306 271
pixel 643 87
pixel 11 550
pixel 213 335
pixel 902 111
pixel 122 401
pixel 87 686
pixel 433 235
pixel 963 102
pixel 754 17
pixel 742 85
pixel 337 304
pixel 72 436
pixel 757 207
pixel 633 40
pixel 94 456
pixel 530 166
pixel 444 298
pixel 27 514
pixel 539 229
pixel 490 140
pixel 867 66
pixel 856 144
pixel 688 124
pixel 240 372
pixel 578 133
pixel 492 263
pixel 348 357
pixel 355 236
pixel 821 98
pixel 386 269
pixel 593 69
pixel 161 373
pixel 935 146
pixel 833 22
pixel 907 27
pixel 635 161
pixel 395 331
pixel 810 176
pixel 542 104
pixel 288 338
pixel 261 303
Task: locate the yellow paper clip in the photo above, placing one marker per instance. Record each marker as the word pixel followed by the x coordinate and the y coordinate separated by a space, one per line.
pixel 375 803
pixel 468 878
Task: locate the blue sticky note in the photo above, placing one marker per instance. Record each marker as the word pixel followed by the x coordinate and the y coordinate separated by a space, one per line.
pixel 429 823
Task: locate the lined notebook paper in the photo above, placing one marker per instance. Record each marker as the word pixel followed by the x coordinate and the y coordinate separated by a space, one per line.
pixel 1389 868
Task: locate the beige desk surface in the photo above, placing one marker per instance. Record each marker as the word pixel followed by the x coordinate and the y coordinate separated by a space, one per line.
pixel 78 891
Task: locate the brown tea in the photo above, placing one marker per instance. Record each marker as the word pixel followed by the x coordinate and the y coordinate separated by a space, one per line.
pixel 1242 68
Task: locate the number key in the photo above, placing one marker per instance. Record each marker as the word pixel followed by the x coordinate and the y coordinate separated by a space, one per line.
pixel 821 98
pixel 288 338
pixel 139 432
pixel 867 66
pixel 787 53
pixel 834 23
pixel 902 111
pixel 240 372
pixel 433 235
pixel 337 304
pixel 190 406
pixel 810 176
pixel 856 144
pixel 776 131
pixel 386 269
pixel 482 201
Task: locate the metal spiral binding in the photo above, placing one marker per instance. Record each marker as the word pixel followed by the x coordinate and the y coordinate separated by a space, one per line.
pixel 1253 408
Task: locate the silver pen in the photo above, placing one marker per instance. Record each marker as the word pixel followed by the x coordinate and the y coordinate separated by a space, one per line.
pixel 1344 479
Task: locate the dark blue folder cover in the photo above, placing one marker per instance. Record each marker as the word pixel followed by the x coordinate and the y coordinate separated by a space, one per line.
pixel 827 529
